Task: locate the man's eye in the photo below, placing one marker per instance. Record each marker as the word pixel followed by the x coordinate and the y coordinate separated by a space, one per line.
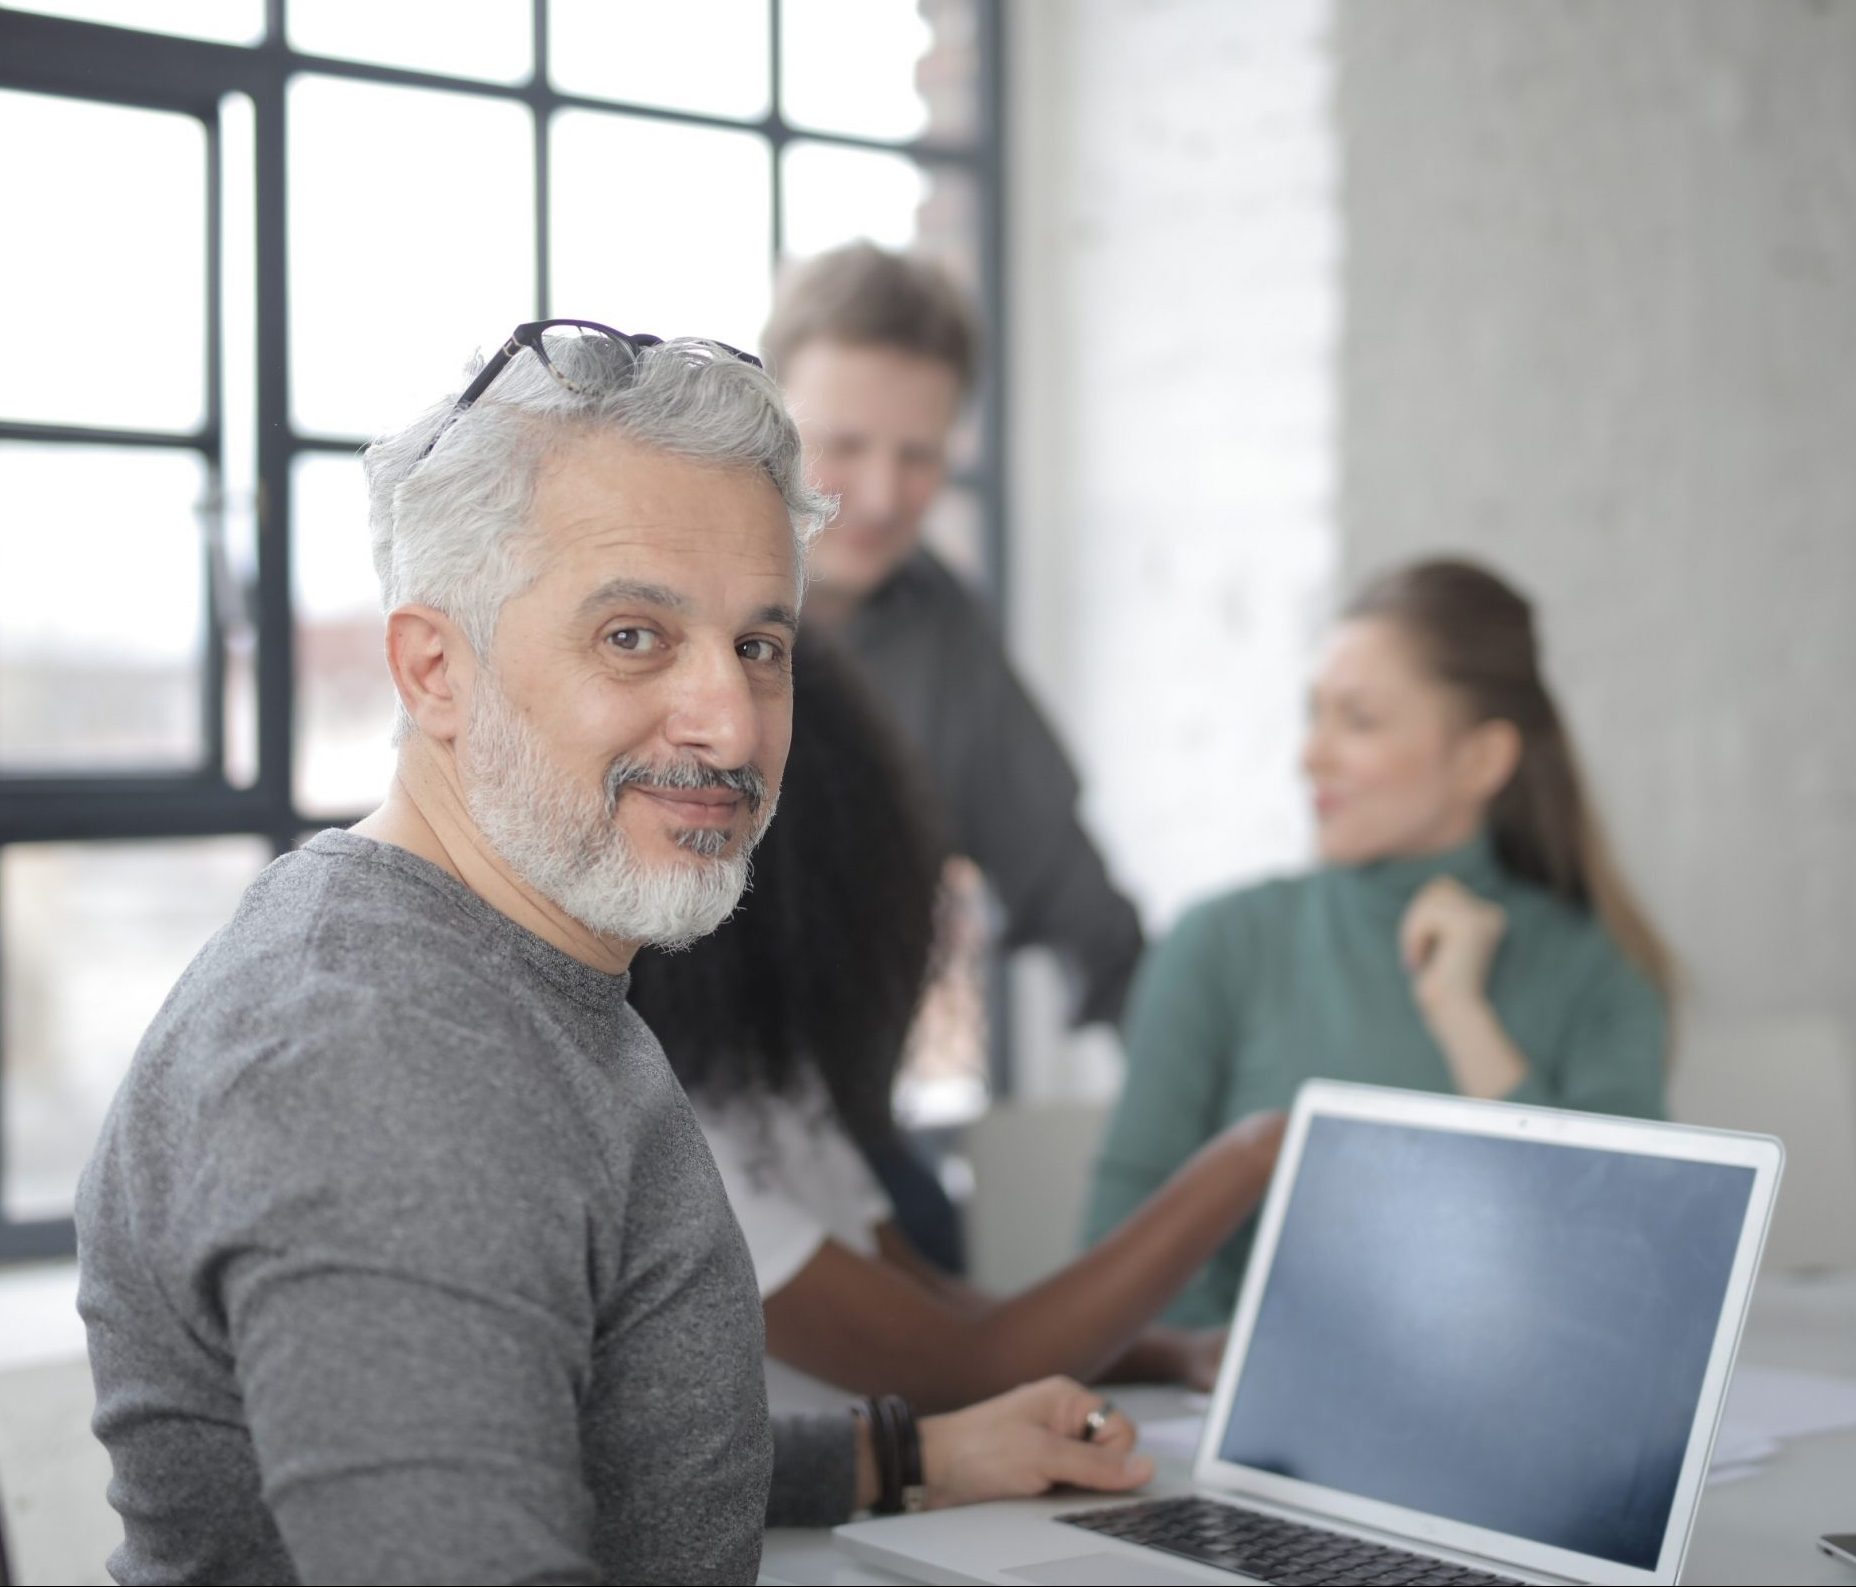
pixel 637 641
pixel 759 650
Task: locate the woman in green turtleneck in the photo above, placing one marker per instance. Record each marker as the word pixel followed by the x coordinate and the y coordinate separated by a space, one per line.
pixel 1466 932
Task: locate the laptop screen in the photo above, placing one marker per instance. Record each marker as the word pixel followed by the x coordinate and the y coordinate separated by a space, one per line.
pixel 1506 1333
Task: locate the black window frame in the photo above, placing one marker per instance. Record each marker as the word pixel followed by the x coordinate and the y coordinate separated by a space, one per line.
pixel 95 62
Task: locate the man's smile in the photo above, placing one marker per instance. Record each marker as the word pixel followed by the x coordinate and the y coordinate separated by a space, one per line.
pixel 694 807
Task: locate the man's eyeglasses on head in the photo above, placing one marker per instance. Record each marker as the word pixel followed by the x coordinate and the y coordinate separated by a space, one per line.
pixel 559 343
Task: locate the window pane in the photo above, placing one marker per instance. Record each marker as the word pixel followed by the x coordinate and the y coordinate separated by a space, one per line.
pixel 948 222
pixel 834 195
pixel 943 1076
pixel 226 21
pixel 92 938
pixel 411 244
pixel 238 298
pixel 235 555
pixel 661 228
pixel 491 39
pixel 703 55
pixel 108 299
pixel 102 612
pixel 851 66
pixel 948 76
pixel 344 698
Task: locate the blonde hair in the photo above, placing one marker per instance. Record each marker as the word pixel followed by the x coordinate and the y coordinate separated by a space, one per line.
pixel 863 296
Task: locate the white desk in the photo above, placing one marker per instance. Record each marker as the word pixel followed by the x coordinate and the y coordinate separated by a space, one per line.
pixel 1761 1529
pixel 1764 1529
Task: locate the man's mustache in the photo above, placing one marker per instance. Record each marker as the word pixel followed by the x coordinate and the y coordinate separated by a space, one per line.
pixel 684 774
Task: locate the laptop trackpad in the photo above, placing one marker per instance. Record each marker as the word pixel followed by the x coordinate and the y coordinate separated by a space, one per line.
pixel 1101 1569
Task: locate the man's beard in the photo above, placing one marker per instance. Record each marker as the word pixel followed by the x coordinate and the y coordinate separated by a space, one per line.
pixel 565 843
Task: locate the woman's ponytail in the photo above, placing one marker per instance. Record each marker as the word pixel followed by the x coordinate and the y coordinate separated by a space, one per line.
pixel 1477 634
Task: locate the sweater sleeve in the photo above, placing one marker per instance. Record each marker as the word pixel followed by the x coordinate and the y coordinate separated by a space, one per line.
pixel 408 1338
pixel 1614 1056
pixel 1180 1036
pixel 814 1469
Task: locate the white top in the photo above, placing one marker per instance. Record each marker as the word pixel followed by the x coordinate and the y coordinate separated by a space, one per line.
pixel 794 1179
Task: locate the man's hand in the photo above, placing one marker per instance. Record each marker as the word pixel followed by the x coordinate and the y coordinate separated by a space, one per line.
pixel 1025 1443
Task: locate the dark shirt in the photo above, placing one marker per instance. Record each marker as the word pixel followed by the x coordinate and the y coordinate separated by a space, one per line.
pixel 1005 789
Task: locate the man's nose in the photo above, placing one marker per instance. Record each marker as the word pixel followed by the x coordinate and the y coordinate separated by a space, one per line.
pixel 714 711
pixel 878 494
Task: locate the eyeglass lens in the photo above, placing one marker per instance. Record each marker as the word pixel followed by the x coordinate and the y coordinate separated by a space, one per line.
pixel 581 356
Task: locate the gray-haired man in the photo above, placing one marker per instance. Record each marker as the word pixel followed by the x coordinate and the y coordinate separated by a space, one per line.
pixel 400 1244
pixel 403 1257
pixel 876 352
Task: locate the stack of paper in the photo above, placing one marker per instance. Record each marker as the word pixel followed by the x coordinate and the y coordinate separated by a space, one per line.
pixel 1766 1406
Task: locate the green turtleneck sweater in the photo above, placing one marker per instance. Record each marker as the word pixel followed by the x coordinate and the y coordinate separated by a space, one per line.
pixel 1300 978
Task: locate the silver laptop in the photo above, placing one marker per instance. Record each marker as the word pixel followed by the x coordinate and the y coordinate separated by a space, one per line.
pixel 1476 1342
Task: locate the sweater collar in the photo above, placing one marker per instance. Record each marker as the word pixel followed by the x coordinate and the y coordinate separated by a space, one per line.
pixel 1392 884
pixel 593 989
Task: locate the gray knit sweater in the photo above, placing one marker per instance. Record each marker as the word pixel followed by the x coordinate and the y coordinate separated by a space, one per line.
pixel 403 1259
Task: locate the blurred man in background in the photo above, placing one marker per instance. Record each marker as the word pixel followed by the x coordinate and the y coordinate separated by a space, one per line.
pixel 878 353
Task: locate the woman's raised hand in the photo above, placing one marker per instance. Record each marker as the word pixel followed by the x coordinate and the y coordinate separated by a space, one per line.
pixel 1448 940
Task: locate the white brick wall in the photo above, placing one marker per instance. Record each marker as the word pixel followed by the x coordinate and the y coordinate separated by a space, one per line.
pixel 1600 327
pixel 1601 303
pixel 1175 242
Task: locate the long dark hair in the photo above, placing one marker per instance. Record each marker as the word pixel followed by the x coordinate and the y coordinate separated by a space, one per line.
pixel 1476 634
pixel 826 959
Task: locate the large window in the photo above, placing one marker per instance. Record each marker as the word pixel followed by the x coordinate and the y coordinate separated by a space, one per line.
pixel 244 236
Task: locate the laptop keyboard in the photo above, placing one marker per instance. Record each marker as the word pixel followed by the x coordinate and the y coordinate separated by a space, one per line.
pixel 1249 1543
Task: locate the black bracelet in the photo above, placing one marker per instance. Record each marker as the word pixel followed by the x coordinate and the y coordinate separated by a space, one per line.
pixel 882 1450
pixel 895 1444
pixel 911 1438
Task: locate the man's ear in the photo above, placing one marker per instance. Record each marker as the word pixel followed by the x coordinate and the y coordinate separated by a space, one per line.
pixel 1492 755
pixel 433 668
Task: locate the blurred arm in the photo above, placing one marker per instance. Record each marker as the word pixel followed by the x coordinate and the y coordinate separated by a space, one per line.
pixel 1180 1041
pixel 874 1325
